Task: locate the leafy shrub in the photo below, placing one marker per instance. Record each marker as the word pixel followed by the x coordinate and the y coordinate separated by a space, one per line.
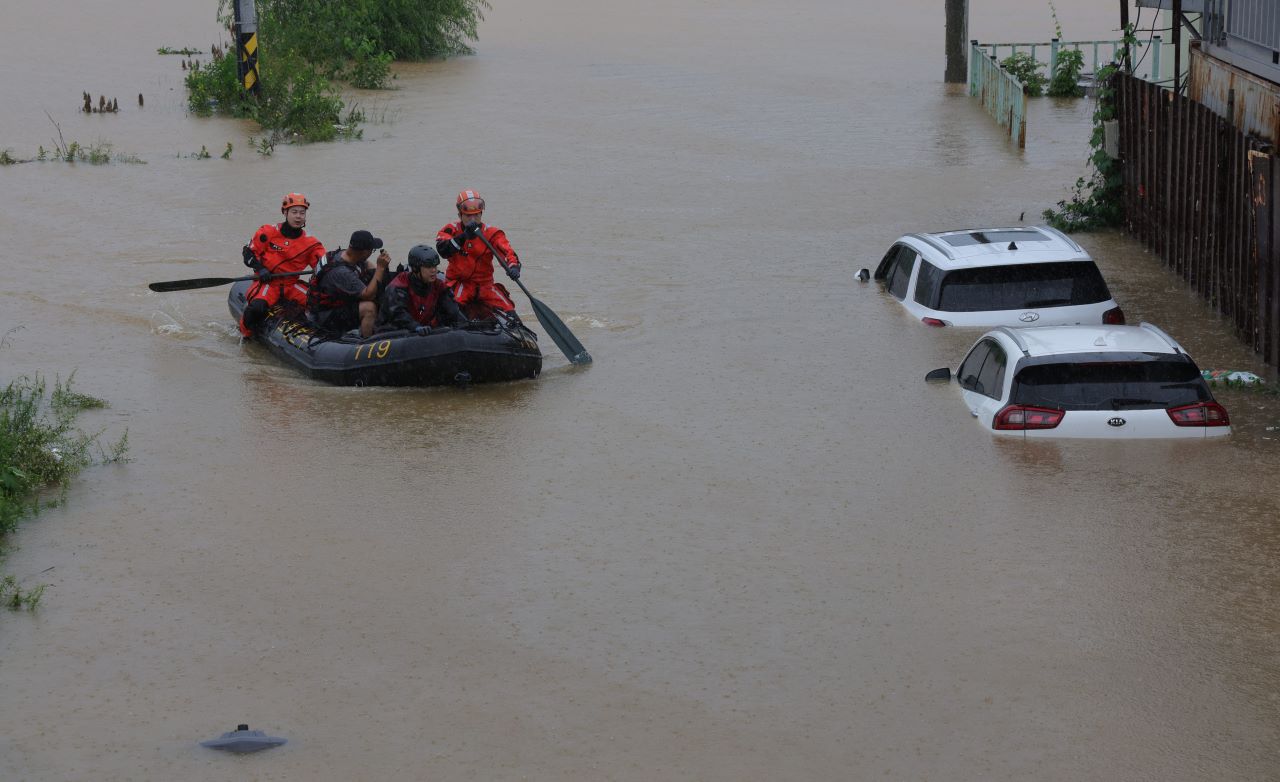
pixel 307 44
pixel 1098 201
pixel 1026 69
pixel 1066 76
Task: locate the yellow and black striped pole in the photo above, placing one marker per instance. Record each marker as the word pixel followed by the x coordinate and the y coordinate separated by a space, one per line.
pixel 246 22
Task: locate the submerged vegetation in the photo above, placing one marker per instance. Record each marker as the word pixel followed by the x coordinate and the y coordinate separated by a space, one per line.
pixel 308 46
pixel 1097 202
pixel 40 450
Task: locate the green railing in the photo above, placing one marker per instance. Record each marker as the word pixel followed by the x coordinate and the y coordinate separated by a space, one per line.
pixel 1002 95
pixel 1145 55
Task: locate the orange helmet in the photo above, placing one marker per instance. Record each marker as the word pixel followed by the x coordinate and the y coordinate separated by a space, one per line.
pixel 470 203
pixel 294 199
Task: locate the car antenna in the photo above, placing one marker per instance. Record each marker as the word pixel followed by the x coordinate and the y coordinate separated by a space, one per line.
pixel 1013 245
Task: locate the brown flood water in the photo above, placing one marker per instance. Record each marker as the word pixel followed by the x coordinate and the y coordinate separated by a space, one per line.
pixel 747 543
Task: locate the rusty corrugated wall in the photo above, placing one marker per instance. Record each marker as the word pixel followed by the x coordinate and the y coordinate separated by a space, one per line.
pixel 1248 101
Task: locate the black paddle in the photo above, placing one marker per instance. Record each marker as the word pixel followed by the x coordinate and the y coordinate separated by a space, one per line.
pixel 213 282
pixel 560 333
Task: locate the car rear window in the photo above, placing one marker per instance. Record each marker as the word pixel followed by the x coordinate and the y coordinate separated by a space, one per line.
pixel 1083 382
pixel 1022 286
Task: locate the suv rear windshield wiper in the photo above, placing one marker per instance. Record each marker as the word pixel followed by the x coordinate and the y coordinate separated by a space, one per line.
pixel 1046 303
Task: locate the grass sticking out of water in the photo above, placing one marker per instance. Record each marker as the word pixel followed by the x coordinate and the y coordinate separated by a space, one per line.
pixel 41 450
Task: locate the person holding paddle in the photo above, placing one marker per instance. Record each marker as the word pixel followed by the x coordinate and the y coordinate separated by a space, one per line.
pixel 469 247
pixel 279 249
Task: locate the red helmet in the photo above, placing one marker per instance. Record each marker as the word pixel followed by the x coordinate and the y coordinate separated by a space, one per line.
pixel 470 203
pixel 294 199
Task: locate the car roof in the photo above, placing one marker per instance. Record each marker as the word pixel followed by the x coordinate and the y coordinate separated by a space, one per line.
pixel 1055 340
pixel 973 247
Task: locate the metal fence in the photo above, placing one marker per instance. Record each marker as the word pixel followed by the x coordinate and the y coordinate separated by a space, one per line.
pixel 1103 52
pixel 1002 95
pixel 1204 196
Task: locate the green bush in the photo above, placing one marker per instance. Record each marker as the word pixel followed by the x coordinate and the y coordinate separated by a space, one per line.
pixel 1066 76
pixel 1026 69
pixel 1096 202
pixel 306 45
pixel 296 100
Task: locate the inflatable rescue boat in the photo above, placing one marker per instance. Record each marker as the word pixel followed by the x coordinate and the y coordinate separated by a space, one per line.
pixel 485 351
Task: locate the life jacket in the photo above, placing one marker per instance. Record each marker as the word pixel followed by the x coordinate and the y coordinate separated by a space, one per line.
pixel 423 300
pixel 474 263
pixel 280 254
pixel 319 300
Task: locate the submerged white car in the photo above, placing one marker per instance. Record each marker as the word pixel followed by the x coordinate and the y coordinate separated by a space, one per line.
pixel 1086 381
pixel 996 277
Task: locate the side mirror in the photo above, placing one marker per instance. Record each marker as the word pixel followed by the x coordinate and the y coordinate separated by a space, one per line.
pixel 942 375
pixel 863 275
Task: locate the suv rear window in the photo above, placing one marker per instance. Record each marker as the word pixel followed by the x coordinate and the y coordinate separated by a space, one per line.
pixel 1137 381
pixel 1021 286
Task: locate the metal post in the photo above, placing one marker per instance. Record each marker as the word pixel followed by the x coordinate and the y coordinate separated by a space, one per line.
pixel 957 35
pixel 1124 30
pixel 974 54
pixel 1156 45
pixel 246 24
pixel 1177 46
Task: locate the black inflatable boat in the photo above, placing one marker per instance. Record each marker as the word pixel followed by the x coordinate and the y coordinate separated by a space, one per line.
pixel 482 352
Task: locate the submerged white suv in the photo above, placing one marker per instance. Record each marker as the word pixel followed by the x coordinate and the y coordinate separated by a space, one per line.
pixel 997 277
pixel 1086 381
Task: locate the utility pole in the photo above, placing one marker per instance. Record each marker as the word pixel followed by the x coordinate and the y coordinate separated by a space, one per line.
pixel 957 42
pixel 246 29
pixel 1177 47
pixel 1124 32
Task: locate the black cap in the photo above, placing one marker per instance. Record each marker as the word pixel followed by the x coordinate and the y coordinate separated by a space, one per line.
pixel 363 240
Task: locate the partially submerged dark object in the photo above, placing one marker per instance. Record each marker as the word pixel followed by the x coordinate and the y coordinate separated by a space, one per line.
pixel 483 352
pixel 243 740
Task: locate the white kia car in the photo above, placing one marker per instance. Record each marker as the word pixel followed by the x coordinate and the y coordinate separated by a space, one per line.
pixel 997 277
pixel 1086 381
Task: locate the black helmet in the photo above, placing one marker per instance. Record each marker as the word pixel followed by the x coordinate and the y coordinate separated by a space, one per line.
pixel 423 255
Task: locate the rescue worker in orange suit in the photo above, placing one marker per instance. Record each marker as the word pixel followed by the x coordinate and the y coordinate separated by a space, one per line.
pixel 470 273
pixel 344 292
pixel 278 249
pixel 417 299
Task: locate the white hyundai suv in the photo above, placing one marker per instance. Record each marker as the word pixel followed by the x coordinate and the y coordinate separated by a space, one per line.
pixel 1086 381
pixel 996 277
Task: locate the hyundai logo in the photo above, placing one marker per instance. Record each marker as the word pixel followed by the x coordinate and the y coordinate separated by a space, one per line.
pixel 1029 317
pixel 1117 421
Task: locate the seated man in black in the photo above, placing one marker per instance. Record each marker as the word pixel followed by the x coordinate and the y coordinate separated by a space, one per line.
pixel 418 299
pixel 344 290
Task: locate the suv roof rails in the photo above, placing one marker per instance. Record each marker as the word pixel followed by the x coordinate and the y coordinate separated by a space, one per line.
pixel 936 244
pixel 1154 329
pixel 1059 234
pixel 1016 337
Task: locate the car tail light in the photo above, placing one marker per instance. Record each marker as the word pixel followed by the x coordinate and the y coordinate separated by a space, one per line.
pixel 1113 317
pixel 933 322
pixel 1200 414
pixel 1021 417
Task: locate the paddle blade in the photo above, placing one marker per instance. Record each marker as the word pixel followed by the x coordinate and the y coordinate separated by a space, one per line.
pixel 187 285
pixel 560 333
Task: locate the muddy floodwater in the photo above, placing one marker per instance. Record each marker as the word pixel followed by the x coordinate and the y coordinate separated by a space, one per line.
pixel 747 543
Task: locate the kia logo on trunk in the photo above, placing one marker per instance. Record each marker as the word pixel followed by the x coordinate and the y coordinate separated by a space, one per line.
pixel 1117 421
pixel 1029 317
